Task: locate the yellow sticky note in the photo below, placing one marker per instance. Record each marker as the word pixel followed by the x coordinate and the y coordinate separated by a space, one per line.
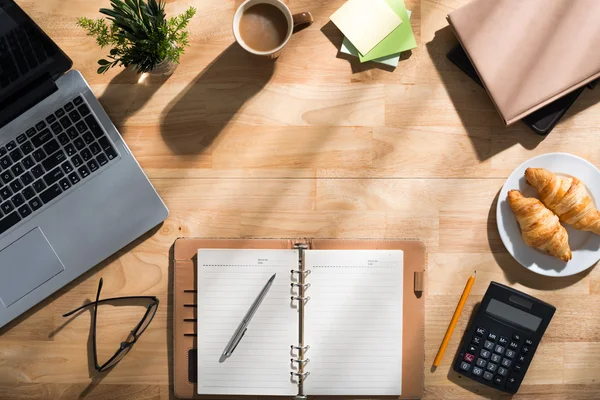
pixel 366 22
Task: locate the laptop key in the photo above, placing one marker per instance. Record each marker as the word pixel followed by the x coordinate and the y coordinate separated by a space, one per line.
pixel 35 203
pixel 74 115
pixel 51 146
pixel 28 162
pixel 83 110
pixel 50 119
pixel 74 178
pixel 69 107
pixel 84 172
pixel 5 162
pixel 17 169
pixel 93 165
pixel 65 184
pixel 51 193
pixel 26 147
pixel 17 200
pixel 21 138
pixel 81 127
pixel 77 100
pixel 7 207
pixel 25 211
pixel 9 221
pixel 16 155
pixel 86 154
pixel 102 159
pixel 95 148
pixel 56 128
pixel 88 138
pixel 53 176
pixel 108 149
pixel 67 167
pixel 63 138
pixel 16 185
pixel 65 122
pixel 94 126
pixel 79 143
pixel 38 155
pixel 59 113
pixel 39 185
pixel 70 149
pixel 37 171
pixel 3 151
pixel 26 178
pixel 41 138
pixel 6 176
pixel 77 161
pixel 11 145
pixel 5 192
pixel 54 160
pixel 28 193
pixel 30 132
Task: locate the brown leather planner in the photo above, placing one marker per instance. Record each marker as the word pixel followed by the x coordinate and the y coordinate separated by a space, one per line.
pixel 185 313
pixel 529 53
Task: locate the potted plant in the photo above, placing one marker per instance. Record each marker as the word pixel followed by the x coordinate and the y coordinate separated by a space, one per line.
pixel 140 35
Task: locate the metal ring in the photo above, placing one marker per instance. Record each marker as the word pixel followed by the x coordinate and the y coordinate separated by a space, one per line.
pixel 299 375
pixel 300 347
pixel 299 298
pixel 301 245
pixel 295 271
pixel 301 362
pixel 303 285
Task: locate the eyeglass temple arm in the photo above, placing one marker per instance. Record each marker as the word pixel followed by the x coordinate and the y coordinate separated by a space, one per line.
pixel 106 300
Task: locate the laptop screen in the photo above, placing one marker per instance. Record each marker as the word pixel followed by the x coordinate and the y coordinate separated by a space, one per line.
pixel 27 55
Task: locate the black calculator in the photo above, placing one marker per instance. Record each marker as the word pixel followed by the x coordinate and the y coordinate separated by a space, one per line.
pixel 500 342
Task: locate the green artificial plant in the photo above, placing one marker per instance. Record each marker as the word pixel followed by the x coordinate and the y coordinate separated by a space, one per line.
pixel 139 33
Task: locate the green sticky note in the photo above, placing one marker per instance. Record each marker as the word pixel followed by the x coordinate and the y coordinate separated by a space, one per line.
pixel 401 38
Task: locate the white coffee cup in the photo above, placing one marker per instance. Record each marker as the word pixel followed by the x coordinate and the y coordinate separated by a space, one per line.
pixel 295 21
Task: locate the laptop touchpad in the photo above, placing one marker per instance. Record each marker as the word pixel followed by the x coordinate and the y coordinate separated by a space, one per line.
pixel 25 265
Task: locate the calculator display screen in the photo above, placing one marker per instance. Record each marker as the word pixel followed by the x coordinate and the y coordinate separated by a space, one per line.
pixel 513 315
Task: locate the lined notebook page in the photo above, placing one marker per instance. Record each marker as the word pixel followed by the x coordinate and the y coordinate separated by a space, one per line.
pixel 228 283
pixel 354 322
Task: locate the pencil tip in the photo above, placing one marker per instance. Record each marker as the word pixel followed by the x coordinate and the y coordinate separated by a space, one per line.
pixel 475 273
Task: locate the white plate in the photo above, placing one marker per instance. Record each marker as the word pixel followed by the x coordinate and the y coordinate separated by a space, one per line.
pixel 585 246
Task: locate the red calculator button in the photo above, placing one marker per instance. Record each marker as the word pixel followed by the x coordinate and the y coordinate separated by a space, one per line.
pixel 469 357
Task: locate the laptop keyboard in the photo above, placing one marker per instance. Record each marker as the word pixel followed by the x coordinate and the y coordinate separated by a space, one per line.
pixel 20 51
pixel 50 158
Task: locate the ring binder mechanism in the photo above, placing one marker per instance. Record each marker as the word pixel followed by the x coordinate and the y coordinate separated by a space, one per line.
pixel 302 299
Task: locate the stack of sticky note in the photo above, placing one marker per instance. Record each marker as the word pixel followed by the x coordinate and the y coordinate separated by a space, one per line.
pixel 375 30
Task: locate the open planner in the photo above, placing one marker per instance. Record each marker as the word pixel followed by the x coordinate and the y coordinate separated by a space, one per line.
pixel 331 322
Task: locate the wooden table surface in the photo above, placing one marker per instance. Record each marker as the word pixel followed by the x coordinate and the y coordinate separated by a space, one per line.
pixel 313 145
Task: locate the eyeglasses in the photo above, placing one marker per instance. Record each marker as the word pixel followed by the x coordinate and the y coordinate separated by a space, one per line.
pixel 131 339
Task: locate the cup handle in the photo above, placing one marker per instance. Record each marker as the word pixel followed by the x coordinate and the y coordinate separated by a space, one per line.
pixel 302 21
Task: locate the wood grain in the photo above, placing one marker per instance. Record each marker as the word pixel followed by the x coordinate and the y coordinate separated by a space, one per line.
pixel 312 145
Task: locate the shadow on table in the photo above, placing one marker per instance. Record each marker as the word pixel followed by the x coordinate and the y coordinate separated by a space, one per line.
pixel 336 37
pixel 127 93
pixel 473 105
pixel 515 272
pixel 192 121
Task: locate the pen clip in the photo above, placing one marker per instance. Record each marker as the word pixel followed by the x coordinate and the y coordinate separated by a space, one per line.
pixel 238 342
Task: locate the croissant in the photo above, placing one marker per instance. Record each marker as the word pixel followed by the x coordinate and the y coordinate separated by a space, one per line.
pixel 540 228
pixel 567 198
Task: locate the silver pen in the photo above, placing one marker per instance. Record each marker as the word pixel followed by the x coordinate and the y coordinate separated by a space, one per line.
pixel 243 327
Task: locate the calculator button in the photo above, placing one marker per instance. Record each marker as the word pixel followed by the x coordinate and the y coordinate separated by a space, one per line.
pixel 472 349
pixel 506 362
pixel 518 368
pixel 525 350
pixel 521 358
pixel 513 345
pixel 528 342
pixel 502 371
pixel 477 371
pixel 492 336
pixel 516 337
pixel 498 380
pixel 496 358
pixel 488 376
pixel 499 349
pixel 489 345
pixel 480 331
pixel 503 340
pixel 512 380
pixel 510 353
pixel 476 340
pixel 492 367
pixel 485 353
pixel 465 366
pixel 469 357
pixel 481 362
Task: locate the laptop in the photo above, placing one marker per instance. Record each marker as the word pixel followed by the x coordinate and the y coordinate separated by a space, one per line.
pixel 71 192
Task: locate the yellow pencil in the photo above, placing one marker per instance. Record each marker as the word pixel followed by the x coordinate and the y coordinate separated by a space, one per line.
pixel 459 307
